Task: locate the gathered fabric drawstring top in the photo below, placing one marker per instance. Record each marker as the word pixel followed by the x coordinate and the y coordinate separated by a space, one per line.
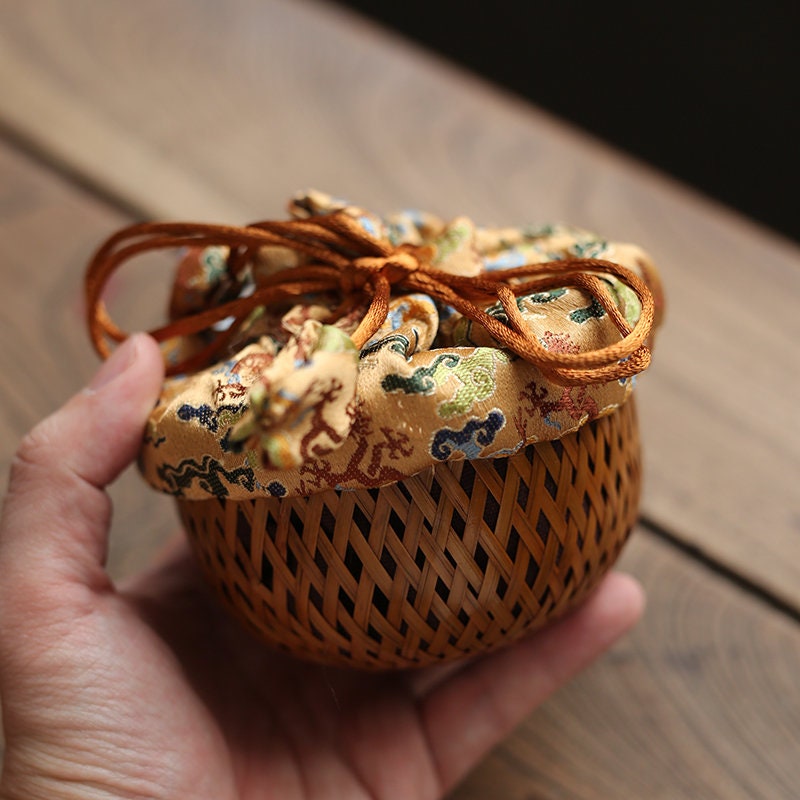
pixel 342 258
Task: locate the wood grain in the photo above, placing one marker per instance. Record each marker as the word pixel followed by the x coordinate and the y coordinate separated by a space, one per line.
pixel 697 702
pixel 221 111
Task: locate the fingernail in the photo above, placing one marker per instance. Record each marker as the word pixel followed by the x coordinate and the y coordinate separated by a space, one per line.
pixel 119 361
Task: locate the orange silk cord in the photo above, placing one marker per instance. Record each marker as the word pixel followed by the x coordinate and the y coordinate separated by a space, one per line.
pixel 343 258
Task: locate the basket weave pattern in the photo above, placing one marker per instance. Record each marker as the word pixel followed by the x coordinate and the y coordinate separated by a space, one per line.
pixel 450 562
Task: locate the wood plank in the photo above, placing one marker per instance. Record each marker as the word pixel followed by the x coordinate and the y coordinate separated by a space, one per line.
pixel 222 111
pixel 692 704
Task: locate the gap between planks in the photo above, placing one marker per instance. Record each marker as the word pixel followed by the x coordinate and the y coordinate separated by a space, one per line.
pixel 697 554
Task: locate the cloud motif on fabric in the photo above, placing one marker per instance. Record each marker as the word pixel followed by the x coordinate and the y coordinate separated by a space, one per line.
pixel 469 440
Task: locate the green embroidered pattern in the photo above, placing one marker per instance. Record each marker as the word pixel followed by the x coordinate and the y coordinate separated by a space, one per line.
pixel 593 311
pixel 476 375
pixel 627 301
pixel 422 380
pixel 451 240
pixel 473 375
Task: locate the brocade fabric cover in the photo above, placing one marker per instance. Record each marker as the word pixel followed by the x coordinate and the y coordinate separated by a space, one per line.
pixel 296 409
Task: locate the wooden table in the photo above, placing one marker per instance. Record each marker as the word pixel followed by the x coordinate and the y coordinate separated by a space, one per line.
pixel 219 111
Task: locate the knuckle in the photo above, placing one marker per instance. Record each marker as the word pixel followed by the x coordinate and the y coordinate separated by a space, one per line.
pixel 34 454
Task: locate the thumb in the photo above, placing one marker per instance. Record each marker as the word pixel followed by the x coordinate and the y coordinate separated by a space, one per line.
pixel 55 518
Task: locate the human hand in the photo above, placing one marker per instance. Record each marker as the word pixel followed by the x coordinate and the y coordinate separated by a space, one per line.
pixel 149 690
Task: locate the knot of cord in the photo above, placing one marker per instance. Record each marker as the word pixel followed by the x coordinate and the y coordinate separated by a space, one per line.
pixel 394 268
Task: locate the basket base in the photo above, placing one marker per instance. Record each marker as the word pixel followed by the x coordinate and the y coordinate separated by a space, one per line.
pixel 457 560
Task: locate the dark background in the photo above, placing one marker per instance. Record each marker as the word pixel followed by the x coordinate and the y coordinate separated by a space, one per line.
pixel 705 91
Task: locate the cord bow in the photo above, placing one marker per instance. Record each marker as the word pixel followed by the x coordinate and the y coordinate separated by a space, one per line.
pixel 339 256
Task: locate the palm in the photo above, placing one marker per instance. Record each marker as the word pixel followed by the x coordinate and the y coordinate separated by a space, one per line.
pixel 290 730
pixel 187 705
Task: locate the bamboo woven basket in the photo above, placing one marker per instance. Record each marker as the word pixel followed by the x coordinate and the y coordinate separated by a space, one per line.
pixel 349 422
pixel 450 562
